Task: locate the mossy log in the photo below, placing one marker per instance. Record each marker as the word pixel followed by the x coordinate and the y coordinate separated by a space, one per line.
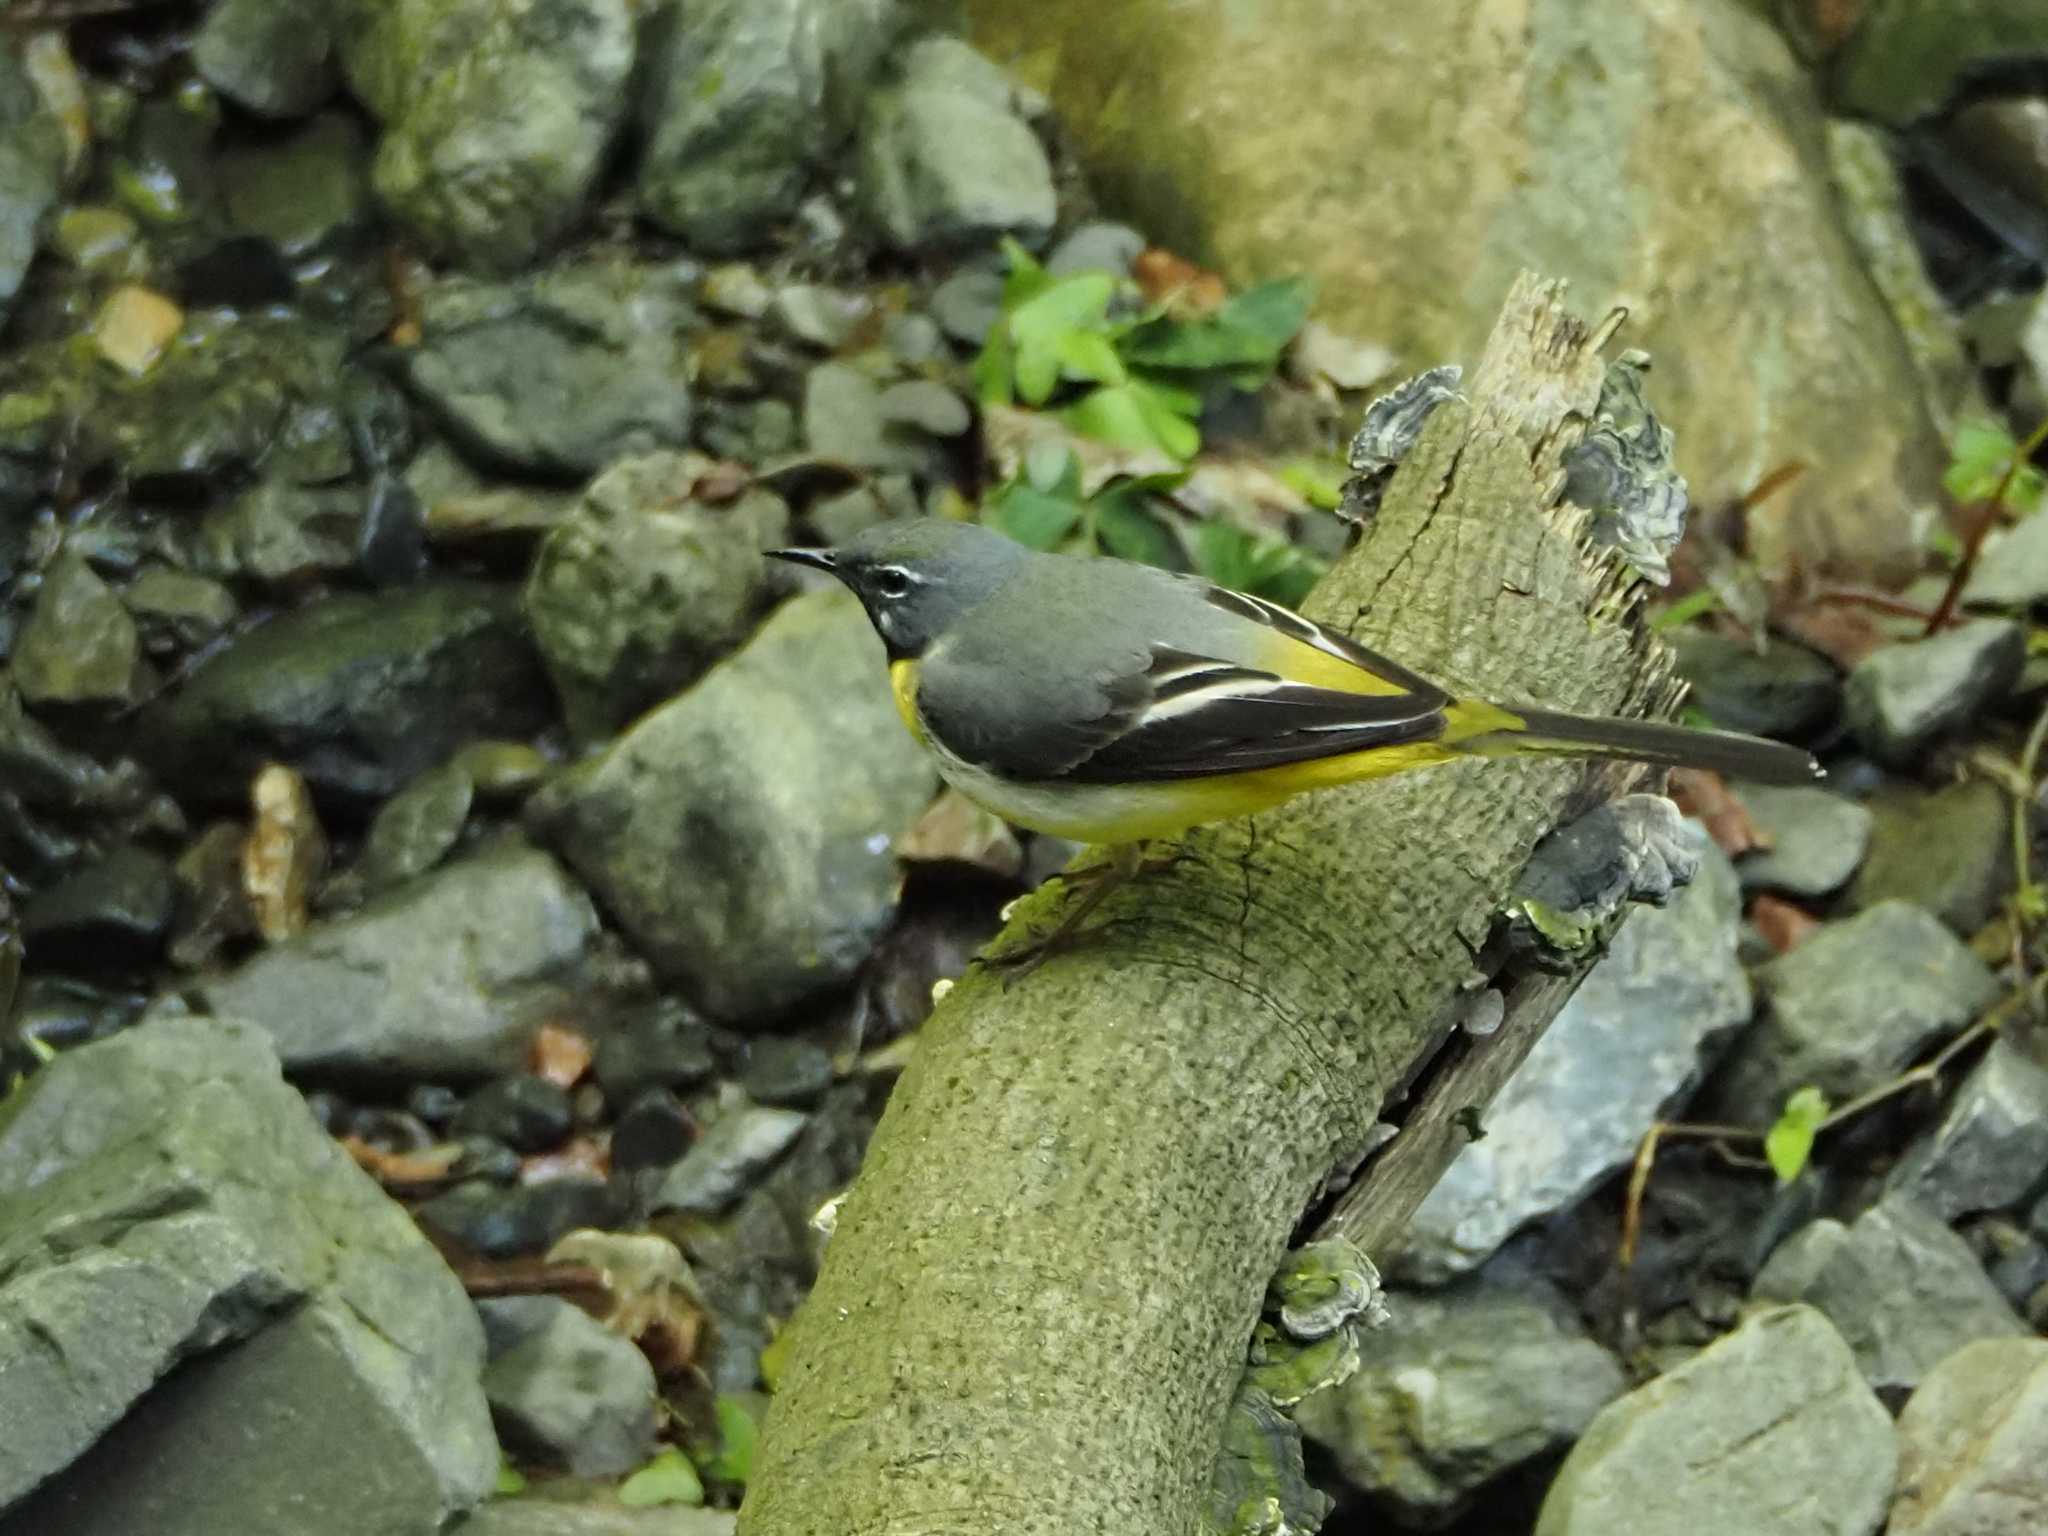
pixel 1035 1309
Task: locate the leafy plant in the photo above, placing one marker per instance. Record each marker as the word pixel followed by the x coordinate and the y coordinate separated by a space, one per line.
pixel 733 1462
pixel 1789 1143
pixel 1984 457
pixel 669 1478
pixel 1121 373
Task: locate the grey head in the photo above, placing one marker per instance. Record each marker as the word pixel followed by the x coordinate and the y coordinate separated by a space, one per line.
pixel 917 575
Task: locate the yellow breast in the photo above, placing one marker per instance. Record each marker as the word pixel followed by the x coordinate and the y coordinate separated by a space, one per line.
pixel 903 683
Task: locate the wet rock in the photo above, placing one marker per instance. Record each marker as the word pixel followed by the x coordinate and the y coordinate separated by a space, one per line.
pixel 784 1071
pixel 1949 851
pixel 742 101
pixel 2013 571
pixel 198 1203
pixel 1904 698
pixel 80 646
pixel 1970 1444
pixel 927 405
pixel 1460 1388
pixel 1816 839
pixel 565 1390
pixel 497 119
pixel 1787 692
pixel 653 1131
pixel 1905 60
pixel 1991 1147
pixel 32 157
pixel 1904 1290
pixel 416 828
pixel 44 772
pixel 1851 1007
pixel 113 912
pixel 548 1517
pixel 728 1158
pixel 661 1046
pixel 504 1221
pixel 304 191
pixel 178 610
pixel 560 373
pixel 528 1114
pixel 283 534
pixel 1627 199
pixel 274 58
pixel 361 693
pixel 643 586
pixel 845 420
pixel 1626 1044
pixel 827 318
pixel 500 770
pixel 703 832
pixel 945 159
pixel 1769 1432
pixel 446 977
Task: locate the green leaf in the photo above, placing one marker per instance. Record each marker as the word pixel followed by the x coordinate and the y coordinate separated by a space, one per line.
pixel 1052 466
pixel 994 366
pixel 1026 278
pixel 1978 459
pixel 1319 482
pixel 1269 568
pixel 511 1481
pixel 1089 355
pixel 668 1479
pixel 1789 1143
pixel 1034 518
pixel 1686 609
pixel 1275 311
pixel 1127 530
pixel 737 1434
pixel 1250 331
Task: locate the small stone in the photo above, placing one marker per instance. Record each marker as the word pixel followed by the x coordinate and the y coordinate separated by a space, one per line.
pixel 1098 246
pixel 732 1153
pixel 528 1114
pixel 80 646
pixel 134 326
pixel 968 304
pixel 1970 1441
pixel 653 1131
pixel 2012 571
pixel 500 770
pixel 33 166
pixel 275 57
pixel 738 290
pixel 1949 851
pixel 503 1221
pixel 1904 1290
pixel 417 827
pixel 1904 698
pixel 1991 1147
pixel 825 317
pixel 1458 1389
pixel 432 1104
pixel 96 239
pixel 914 340
pixel 1787 692
pixel 565 1390
pixel 785 1071
pixel 1817 839
pixel 177 610
pixel 926 405
pixel 111 912
pixel 285 854
pixel 1768 1432
pixel 1851 1007
pixel 945 160
pixel 663 1046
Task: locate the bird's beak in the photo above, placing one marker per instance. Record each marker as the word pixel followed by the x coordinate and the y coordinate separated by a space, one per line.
pixel 820 559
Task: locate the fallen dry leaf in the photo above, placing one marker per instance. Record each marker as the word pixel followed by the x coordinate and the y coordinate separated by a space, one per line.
pixel 1706 795
pixel 404 1172
pixel 1186 289
pixel 1842 632
pixel 1781 923
pixel 579 1159
pixel 285 853
pixel 651 1296
pixel 560 1055
pixel 954 830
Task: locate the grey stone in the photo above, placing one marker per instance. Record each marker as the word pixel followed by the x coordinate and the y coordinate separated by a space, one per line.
pixel 945 159
pixel 417 827
pixel 1970 1441
pixel 703 831
pixel 1767 1432
pixel 31 164
pixel 1817 839
pixel 1904 1290
pixel 785 1071
pixel 564 1389
pixel 968 303
pixel 1851 1007
pixel 824 317
pixel 275 57
pixel 546 1517
pixel 1949 851
pixel 301 192
pixel 560 373
pixel 1787 692
pixel 359 693
pixel 179 610
pixel 511 1220
pixel 1904 698
pixel 165 1192
pixel 1626 1044
pixel 447 976
pixel 1907 58
pixel 114 910
pixel 742 101
pixel 844 420
pixel 1459 1388
pixel 1991 1147
pixel 497 118
pixel 2013 570
pixel 80 645
pixel 643 586
pixel 1098 246
pixel 284 534
pixel 737 1148
pixel 526 1113
pixel 926 405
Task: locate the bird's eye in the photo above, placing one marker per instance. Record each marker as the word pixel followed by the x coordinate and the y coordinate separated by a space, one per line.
pixel 892 581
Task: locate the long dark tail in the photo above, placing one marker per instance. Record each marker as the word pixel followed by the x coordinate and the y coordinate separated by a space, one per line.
pixel 1643 741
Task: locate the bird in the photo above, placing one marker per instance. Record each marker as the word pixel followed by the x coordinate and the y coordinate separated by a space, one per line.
pixel 1113 703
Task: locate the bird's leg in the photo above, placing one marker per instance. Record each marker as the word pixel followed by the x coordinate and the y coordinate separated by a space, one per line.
pixel 1095 884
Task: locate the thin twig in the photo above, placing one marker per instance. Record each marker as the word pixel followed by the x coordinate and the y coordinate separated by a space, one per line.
pixel 2026 898
pixel 1865 597
pixel 1960 577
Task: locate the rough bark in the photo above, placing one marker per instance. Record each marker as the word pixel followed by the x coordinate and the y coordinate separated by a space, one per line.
pixel 1037 1303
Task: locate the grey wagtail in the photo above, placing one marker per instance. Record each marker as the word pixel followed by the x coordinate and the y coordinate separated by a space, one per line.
pixel 1110 702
